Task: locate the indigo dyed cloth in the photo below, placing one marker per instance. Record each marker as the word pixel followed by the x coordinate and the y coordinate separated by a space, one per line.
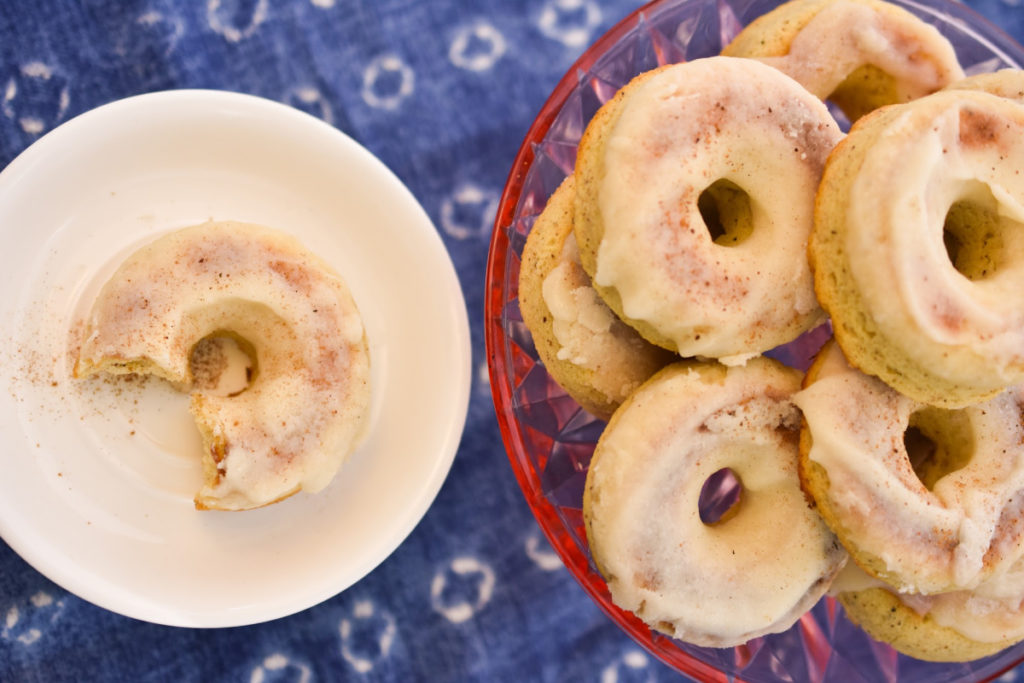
pixel 442 91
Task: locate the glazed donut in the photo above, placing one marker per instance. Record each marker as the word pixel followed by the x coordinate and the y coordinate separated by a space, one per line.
pixel 307 404
pixel 684 142
pixel 594 356
pixel 959 626
pixel 1006 83
pixel 860 54
pixel 759 567
pixel 918 246
pixel 928 500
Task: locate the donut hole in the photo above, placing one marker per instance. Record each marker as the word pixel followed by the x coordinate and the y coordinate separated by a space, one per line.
pixel 974 234
pixel 719 497
pixel 222 364
pixel 938 442
pixel 865 89
pixel 727 213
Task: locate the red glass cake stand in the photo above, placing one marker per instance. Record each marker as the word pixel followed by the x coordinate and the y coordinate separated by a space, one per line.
pixel 550 439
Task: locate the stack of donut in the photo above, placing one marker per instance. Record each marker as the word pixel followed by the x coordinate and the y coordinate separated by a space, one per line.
pixel 716 212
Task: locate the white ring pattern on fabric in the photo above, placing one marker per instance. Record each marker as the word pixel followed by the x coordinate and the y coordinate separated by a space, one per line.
pixel 571 22
pixel 466 568
pixel 469 211
pixel 380 88
pixel 55 94
pixel 224 20
pixel 365 616
pixel 28 623
pixel 277 667
pixel 477 47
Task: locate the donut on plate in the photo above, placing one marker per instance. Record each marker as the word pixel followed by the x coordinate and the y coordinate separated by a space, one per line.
pixel 927 499
pixel 680 217
pixel 594 356
pixel 918 246
pixel 306 405
pixel 860 54
pixel 719 583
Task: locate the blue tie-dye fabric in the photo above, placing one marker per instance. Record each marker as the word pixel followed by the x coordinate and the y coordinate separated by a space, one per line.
pixel 442 92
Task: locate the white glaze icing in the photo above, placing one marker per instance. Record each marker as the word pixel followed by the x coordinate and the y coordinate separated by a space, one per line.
pixel 1006 83
pixel 589 334
pixel 951 537
pixel 991 613
pixel 307 405
pixel 717 585
pixel 844 36
pixel 683 129
pixel 950 146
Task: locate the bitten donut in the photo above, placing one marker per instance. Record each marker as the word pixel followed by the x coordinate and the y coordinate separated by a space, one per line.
pixel 860 54
pixel 918 246
pixel 759 567
pixel 681 219
pixel 594 356
pixel 927 499
pixel 959 626
pixel 306 406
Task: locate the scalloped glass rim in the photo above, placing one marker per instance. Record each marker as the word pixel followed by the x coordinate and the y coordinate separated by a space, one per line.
pixel 549 438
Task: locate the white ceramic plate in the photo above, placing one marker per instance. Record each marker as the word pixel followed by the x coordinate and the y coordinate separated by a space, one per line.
pixel 97 478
